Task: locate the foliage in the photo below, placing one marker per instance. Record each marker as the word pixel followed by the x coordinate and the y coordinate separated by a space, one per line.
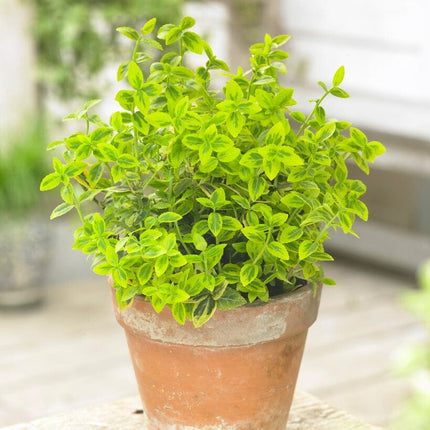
pixel 22 166
pixel 207 200
pixel 417 363
pixel 76 39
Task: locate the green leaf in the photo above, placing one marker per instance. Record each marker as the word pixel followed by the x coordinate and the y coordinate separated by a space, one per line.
pixel 280 40
pixel 151 89
pixel 129 32
pixel 229 155
pixel 103 269
pixel 179 312
pixel 328 281
pixel 106 152
pixel 148 27
pixel 214 254
pixel 256 188
pixel 195 284
pixel 169 217
pixel 200 227
pixel 154 251
pixel 159 119
pixel 252 158
pixel 276 135
pixel 264 80
pixel 298 116
pixel 101 134
pixel 290 233
pixel 358 136
pixel 218 198
pixel 235 123
pixel 278 219
pixel 307 248
pixel 192 141
pixel 215 223
pixel 144 273
pixel 206 202
pixel 88 195
pixel 172 294
pixel 338 76
pixel 173 35
pixel 377 147
pixel 127 161
pixel 161 264
pixel 141 101
pixel 187 22
pixel 254 233
pixel 346 221
pixel 278 250
pixel 248 273
pixel 325 132
pixel 293 199
pixel 339 92
pixel 241 201
pixel 203 311
pixel 177 260
pixel 75 168
pixel 61 209
pixel 230 299
pixel 233 92
pixel 99 225
pixel 360 209
pixel 192 42
pixel 271 168
pixel 199 242
pixel 231 273
pixel 135 76
pixel 50 181
pixel 122 71
pixel 231 224
pixel 205 152
pixel 125 98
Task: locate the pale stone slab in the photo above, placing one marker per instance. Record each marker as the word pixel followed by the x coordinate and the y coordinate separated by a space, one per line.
pixel 307 413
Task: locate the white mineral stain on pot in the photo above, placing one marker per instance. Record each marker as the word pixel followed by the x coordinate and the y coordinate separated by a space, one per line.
pixel 226 328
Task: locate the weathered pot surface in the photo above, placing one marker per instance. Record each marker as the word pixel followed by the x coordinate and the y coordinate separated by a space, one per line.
pixel 236 372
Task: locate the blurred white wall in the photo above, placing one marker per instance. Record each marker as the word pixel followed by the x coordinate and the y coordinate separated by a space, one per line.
pixel 17 65
pixel 384 47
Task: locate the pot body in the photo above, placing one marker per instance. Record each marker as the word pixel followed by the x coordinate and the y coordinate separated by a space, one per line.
pixel 236 372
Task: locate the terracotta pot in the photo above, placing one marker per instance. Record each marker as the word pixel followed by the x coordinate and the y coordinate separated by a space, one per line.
pixel 236 372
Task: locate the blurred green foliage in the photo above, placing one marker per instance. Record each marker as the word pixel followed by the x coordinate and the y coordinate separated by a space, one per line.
pixel 76 39
pixel 416 414
pixel 22 166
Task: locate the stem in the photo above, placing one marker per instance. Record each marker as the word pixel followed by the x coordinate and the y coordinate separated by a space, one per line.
pixel 181 239
pixel 326 227
pixel 305 124
pixel 136 47
pixel 78 208
pixel 261 253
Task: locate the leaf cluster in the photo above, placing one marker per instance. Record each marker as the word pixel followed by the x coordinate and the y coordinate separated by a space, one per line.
pixel 209 199
pixel 75 40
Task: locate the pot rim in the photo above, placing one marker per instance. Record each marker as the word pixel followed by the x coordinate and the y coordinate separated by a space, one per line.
pixel 285 315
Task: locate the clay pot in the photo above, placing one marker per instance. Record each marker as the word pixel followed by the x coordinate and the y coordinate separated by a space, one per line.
pixel 236 372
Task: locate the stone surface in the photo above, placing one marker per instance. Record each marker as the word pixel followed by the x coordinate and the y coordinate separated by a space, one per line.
pixel 307 413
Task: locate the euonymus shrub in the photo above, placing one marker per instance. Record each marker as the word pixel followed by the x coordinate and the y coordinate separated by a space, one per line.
pixel 209 200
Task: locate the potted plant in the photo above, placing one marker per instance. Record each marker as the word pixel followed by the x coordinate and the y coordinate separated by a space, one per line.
pixel 212 209
pixel 24 237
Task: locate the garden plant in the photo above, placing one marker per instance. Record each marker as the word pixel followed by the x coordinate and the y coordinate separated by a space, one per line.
pixel 202 199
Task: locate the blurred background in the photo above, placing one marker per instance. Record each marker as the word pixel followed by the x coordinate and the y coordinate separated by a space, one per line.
pixel 60 347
